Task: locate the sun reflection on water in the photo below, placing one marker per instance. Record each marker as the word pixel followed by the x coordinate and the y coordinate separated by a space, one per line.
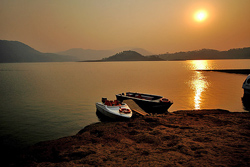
pixel 199 84
pixel 199 64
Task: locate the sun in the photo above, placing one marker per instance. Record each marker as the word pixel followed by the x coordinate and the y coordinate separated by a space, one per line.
pixel 200 15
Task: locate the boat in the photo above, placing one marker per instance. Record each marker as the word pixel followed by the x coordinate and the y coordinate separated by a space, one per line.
pixel 246 86
pixel 114 109
pixel 148 102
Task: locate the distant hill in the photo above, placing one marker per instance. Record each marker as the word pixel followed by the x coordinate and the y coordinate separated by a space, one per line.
pixel 203 54
pixel 89 54
pixel 239 53
pixel 131 56
pixel 14 51
pixel 141 51
pixel 138 50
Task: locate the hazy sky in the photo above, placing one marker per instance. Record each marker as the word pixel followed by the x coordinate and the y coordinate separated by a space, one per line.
pixel 159 26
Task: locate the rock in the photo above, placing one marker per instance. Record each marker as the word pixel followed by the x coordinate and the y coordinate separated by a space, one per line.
pixel 183 138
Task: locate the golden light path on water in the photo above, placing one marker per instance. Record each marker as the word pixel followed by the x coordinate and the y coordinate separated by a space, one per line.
pixel 199 64
pixel 199 85
pixel 199 82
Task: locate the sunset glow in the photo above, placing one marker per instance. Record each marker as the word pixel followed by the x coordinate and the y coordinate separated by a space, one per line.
pixel 201 15
pixel 156 26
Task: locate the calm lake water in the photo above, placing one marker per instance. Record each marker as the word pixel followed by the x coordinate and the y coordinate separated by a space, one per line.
pixel 44 101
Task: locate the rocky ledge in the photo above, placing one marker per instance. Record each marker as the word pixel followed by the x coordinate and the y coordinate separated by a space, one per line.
pixel 183 138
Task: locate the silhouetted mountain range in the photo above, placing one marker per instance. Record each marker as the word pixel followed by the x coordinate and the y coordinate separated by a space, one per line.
pixel 87 54
pixel 239 53
pixel 14 51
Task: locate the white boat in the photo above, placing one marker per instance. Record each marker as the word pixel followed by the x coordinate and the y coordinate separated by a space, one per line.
pixel 246 86
pixel 114 109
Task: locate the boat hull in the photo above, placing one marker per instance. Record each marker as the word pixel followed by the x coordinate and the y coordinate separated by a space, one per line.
pixel 150 106
pixel 113 111
pixel 246 86
pixel 247 92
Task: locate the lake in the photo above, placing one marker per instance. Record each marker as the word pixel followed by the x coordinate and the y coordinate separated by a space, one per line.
pixel 44 101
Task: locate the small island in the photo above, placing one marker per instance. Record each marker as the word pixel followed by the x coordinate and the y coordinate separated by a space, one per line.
pixel 128 56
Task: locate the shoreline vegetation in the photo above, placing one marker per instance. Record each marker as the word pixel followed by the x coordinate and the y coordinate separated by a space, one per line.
pixel 213 137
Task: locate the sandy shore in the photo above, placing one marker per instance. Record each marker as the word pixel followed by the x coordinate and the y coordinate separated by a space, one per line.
pixel 183 138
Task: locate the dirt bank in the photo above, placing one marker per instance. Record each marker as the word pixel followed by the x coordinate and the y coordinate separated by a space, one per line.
pixel 183 138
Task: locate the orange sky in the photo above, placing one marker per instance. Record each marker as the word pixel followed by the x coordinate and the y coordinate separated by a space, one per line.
pixel 158 26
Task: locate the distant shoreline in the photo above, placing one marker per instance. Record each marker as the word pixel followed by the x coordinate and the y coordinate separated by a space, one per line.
pixel 159 60
pixel 235 71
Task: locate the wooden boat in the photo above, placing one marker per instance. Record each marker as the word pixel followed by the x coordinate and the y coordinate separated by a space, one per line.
pixel 114 109
pixel 148 102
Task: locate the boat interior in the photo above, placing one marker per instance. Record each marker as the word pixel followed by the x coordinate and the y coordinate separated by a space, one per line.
pixel 142 96
pixel 112 103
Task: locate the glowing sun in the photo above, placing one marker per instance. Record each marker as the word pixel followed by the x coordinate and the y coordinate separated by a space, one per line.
pixel 200 15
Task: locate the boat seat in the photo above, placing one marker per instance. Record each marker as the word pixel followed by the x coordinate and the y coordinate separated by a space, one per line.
pixel 138 96
pixel 116 103
pixel 147 97
pixel 108 103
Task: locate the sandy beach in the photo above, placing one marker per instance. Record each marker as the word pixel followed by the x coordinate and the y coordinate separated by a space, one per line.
pixel 182 138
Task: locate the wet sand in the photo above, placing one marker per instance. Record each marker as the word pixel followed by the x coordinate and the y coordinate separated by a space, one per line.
pixel 183 138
